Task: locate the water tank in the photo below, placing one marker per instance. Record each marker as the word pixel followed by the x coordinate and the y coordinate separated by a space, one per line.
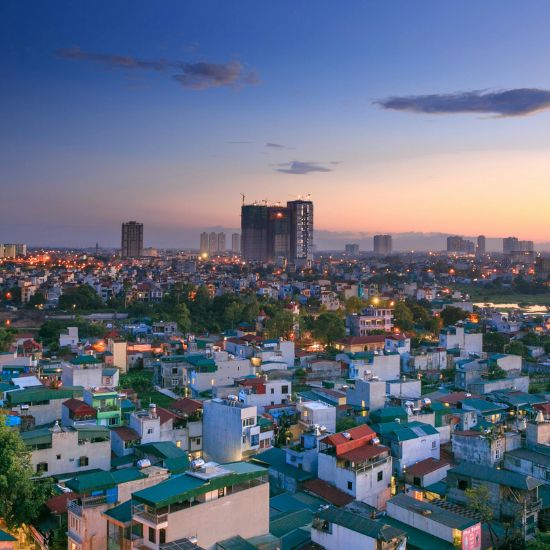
pixel 346 435
pixel 143 463
pixel 375 441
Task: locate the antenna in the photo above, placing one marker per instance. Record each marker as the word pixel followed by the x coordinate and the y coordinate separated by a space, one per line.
pixel 242 195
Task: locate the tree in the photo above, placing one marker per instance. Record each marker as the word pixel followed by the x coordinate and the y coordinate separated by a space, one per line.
pixel 22 497
pixel 345 423
pixel 494 342
pixel 452 315
pixel 515 347
pixel 403 317
pixel 354 305
pixel 36 299
pixel 540 542
pixel 7 336
pixel 281 324
pixel 80 297
pixel 328 328
pixel 479 502
pixel 182 317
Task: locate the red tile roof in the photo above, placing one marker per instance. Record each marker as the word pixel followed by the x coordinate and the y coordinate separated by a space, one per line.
pixel 126 434
pixel 426 466
pixel 186 405
pixel 357 433
pixel 58 504
pixel 364 453
pixel 327 492
pixel 165 415
pixel 455 397
pixel 77 406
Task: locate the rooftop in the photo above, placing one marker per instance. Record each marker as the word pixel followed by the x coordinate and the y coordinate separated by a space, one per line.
pixel 494 475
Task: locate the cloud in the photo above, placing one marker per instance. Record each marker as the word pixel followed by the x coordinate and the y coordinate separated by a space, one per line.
pixel 196 76
pixel 275 145
pixel 300 168
pixel 503 103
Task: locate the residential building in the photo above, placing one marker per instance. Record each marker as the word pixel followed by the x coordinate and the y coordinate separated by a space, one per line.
pixel 203 247
pixel 355 463
pixel 207 504
pixel 63 450
pixel 213 243
pixel 513 497
pixel 107 403
pixel 221 243
pixel 132 240
pixel 372 365
pixel 301 231
pixel 352 250
pixel 357 344
pixel 367 395
pixel 382 244
pixel 486 448
pixel 409 442
pixel 481 245
pixel 69 339
pixel 75 413
pixel 371 318
pixel 236 243
pixel 97 493
pixel 443 522
pixel 261 392
pixel 316 413
pixel 335 529
pixel 457 245
pixel 469 341
pixel 232 431
pixel 426 472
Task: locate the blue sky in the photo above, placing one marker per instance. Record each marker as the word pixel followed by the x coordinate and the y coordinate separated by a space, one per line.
pixel 93 135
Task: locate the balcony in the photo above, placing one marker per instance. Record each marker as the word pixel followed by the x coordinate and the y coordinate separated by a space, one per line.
pixel 141 512
pixel 78 505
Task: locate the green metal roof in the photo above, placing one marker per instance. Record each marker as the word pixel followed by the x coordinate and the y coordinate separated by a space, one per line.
pixel 42 436
pixel 417 539
pixel 360 524
pixel 92 432
pixel 34 395
pixel 285 523
pixel 6 537
pixel 163 449
pixel 121 514
pixel 275 458
pixel 180 488
pixel 85 360
pixel 177 465
pixel 198 360
pixel 97 481
pixel 109 371
pixel 234 543
pixel 494 475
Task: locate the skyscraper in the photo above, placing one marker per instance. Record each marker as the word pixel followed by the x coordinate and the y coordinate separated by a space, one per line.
pixel 510 244
pixel 273 232
pixel 221 243
pixel 382 244
pixel 132 240
pixel 254 222
pixel 204 243
pixel 301 231
pixel 481 243
pixel 352 249
pixel 213 244
pixel 458 244
pixel 236 243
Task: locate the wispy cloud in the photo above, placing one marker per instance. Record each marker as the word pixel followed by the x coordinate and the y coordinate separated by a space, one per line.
pixel 503 103
pixel 196 76
pixel 275 145
pixel 300 168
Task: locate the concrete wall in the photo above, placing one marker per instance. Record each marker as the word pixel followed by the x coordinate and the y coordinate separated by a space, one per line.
pixel 73 375
pixel 370 394
pixel 65 445
pixel 341 537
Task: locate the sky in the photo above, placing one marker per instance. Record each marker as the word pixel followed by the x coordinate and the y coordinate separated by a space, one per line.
pixel 396 116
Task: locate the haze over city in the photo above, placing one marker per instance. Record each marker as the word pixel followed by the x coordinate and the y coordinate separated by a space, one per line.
pixel 396 117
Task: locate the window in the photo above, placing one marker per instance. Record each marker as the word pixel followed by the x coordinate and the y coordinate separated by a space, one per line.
pixel 83 461
pixel 497 454
pixel 174 381
pixel 272 390
pixel 434 444
pixel 74 523
pixel 113 421
pixel 41 467
pixel 380 476
pixel 462 484
pixel 175 370
pixel 198 441
pixel 350 485
pixel 149 431
pixel 58 457
pixel 162 536
pixel 416 481
pixel 284 389
pixel 152 535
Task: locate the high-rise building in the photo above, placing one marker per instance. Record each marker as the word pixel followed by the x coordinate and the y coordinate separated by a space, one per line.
pixel 457 244
pixel 270 233
pixel 236 243
pixel 352 249
pixel 510 244
pixel 481 245
pixel 382 244
pixel 221 243
pixel 204 243
pixel 213 244
pixel 254 222
pixel 301 231
pixel 132 240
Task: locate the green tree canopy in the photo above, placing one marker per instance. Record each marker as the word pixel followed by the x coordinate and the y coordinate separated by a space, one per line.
pixel 22 497
pixel 7 336
pixel 280 325
pixel 452 315
pixel 403 316
pixel 328 328
pixel 80 297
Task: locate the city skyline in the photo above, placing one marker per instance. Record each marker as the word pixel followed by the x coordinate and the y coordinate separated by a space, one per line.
pixel 388 133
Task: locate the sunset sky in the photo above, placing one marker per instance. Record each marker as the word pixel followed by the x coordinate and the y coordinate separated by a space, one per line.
pixel 395 116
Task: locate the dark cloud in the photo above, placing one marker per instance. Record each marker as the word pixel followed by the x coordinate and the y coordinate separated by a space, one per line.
pixel 300 168
pixel 275 145
pixel 503 103
pixel 196 76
